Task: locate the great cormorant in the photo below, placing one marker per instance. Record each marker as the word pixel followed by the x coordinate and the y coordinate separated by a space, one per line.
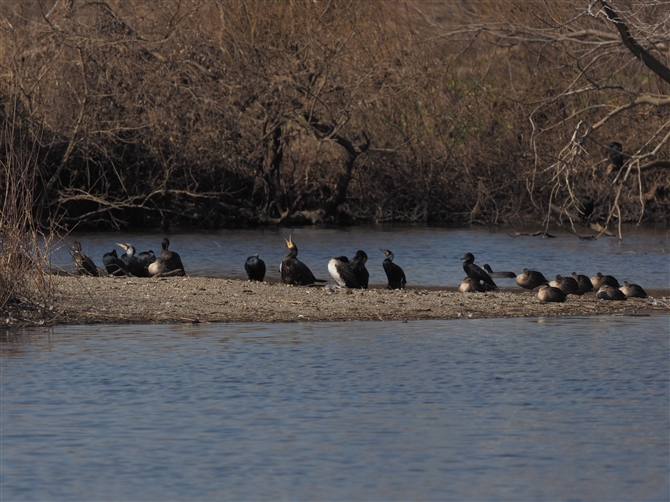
pixel 477 273
pixel 394 274
pixel 606 292
pixel 113 264
pixel 83 263
pixel 491 273
pixel 340 269
pixel 585 284
pixel 585 208
pixel 255 268
pixel 358 268
pixel 568 285
pixel 169 262
pixel 136 266
pixel 615 155
pixel 531 279
pixel 292 270
pixel 600 280
pixel 469 285
pixel 633 290
pixel 550 294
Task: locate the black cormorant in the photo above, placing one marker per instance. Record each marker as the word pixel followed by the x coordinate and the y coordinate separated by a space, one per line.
pixel 113 264
pixel 293 271
pixel 477 273
pixel 585 284
pixel 255 268
pixel 83 263
pixel 585 208
pixel 633 290
pixel 137 267
pixel 358 268
pixel 169 262
pixel 550 294
pixel 600 280
pixel 491 273
pixel 394 274
pixel 568 285
pixel 606 292
pixel 531 279
pixel 615 155
pixel 340 269
pixel 469 285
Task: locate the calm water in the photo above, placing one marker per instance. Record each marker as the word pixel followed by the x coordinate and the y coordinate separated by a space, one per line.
pixel 429 256
pixel 515 409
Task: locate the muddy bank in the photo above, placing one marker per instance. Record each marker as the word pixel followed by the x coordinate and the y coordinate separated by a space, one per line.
pixel 89 300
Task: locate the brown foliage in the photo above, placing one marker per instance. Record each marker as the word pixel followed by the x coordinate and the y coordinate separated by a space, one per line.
pixel 230 113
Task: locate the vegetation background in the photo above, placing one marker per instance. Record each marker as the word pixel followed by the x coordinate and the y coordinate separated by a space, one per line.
pixel 223 113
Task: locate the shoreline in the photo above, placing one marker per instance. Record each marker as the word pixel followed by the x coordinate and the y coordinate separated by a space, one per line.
pixel 79 300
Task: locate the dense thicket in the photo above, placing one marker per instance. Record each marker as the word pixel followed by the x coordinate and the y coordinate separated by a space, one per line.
pixel 219 113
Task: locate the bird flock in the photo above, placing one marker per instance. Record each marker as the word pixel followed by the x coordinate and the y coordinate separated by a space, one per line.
pixel 354 274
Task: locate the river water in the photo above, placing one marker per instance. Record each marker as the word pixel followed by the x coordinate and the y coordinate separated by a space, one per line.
pixel 430 256
pixel 487 409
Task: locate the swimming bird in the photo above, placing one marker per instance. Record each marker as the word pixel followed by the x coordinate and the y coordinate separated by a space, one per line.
pixel 135 266
pixel 394 274
pixel 610 293
pixel 530 279
pixel 340 270
pixel 83 263
pixel 476 273
pixel 292 270
pixel 604 280
pixel 585 284
pixel 361 273
pixel 113 264
pixel 255 268
pixel 491 273
pixel 168 263
pixel 568 285
pixel 633 290
pixel 550 294
pixel 469 285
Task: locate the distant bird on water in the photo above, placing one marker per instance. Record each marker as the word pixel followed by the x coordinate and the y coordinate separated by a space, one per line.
pixel 502 275
pixel 358 268
pixel 255 268
pixel 394 274
pixel 83 263
pixel 340 269
pixel 292 270
pixel 477 273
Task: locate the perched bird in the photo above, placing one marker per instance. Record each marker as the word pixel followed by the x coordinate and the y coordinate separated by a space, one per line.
pixel 585 284
pixel 476 273
pixel 633 290
pixel 604 280
pixel 568 285
pixel 135 266
pixel 491 273
pixel 469 285
pixel 531 279
pixel 255 268
pixel 83 263
pixel 615 155
pixel 610 293
pixel 340 270
pixel 394 274
pixel 168 263
pixel 358 268
pixel 293 271
pixel 550 294
pixel 113 264
pixel 585 208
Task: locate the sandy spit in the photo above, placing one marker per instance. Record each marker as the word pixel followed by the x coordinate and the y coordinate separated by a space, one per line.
pixel 108 300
